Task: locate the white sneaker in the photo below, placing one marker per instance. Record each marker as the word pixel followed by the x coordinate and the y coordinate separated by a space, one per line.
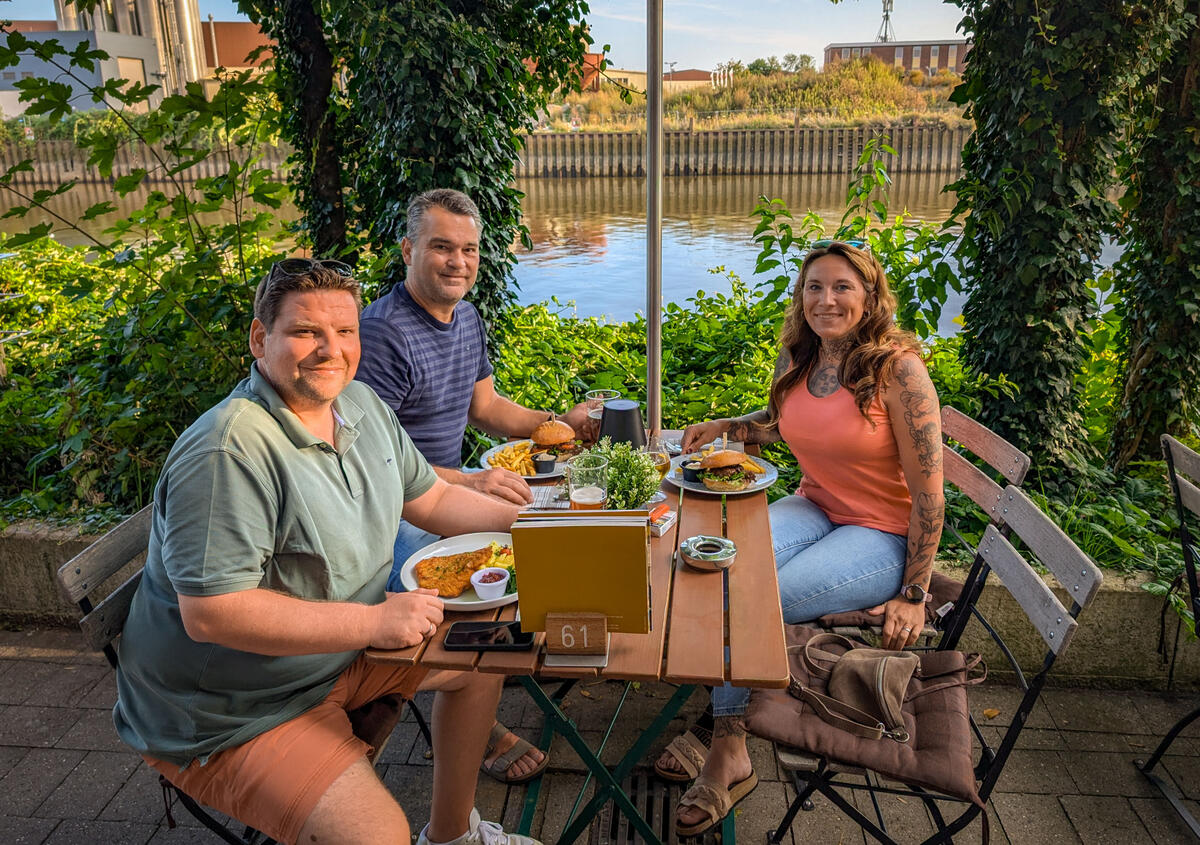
pixel 481 833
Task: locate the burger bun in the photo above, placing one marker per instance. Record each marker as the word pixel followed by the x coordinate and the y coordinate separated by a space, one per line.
pixel 722 458
pixel 552 433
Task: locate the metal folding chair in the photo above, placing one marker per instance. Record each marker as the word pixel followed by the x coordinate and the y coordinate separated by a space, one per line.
pixel 1183 471
pixel 1076 575
pixel 87 580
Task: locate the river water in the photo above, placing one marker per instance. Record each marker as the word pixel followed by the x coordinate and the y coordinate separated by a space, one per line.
pixel 589 235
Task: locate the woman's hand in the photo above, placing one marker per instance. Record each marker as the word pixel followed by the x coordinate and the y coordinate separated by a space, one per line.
pixel 903 622
pixel 701 434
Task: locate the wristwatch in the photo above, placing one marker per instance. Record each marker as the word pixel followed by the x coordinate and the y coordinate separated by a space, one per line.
pixel 915 593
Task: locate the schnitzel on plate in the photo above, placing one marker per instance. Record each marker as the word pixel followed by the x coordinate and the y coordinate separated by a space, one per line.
pixel 450 575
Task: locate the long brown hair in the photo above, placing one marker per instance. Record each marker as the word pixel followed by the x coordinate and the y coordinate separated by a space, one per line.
pixel 877 342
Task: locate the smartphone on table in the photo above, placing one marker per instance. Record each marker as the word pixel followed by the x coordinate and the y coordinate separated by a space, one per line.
pixel 488 636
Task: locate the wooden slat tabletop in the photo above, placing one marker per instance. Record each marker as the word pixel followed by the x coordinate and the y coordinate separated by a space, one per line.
pixel 690 625
pixel 757 653
pixel 639 657
pixel 696 636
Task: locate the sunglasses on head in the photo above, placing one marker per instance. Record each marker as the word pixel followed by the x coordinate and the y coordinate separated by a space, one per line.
pixel 825 244
pixel 300 266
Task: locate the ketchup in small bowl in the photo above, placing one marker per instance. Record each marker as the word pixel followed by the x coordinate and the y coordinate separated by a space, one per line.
pixel 490 582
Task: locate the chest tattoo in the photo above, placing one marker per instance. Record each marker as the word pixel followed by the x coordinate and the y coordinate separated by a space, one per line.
pixel 823 381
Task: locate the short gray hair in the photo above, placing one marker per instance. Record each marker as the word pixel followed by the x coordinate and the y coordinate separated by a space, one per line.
pixel 455 202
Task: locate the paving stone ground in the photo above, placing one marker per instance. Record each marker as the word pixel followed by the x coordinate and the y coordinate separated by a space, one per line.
pixel 65 777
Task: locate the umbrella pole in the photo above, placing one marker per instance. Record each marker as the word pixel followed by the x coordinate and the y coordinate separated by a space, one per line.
pixel 654 184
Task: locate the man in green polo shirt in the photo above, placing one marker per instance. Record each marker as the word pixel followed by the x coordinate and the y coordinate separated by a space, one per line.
pixel 270 547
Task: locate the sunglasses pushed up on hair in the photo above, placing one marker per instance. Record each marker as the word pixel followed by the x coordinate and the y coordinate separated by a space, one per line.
pixel 300 266
pixel 828 242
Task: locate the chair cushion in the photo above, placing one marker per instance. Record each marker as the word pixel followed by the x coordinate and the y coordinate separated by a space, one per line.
pixel 937 755
pixel 943 588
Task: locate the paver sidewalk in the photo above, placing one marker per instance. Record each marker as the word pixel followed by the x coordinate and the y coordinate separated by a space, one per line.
pixel 65 778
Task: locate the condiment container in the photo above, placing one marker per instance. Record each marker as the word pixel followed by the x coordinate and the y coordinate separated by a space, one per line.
pixel 490 589
pixel 691 471
pixel 544 463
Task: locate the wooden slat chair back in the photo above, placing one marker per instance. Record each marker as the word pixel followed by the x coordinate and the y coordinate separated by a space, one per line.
pixel 1183 473
pixel 85 576
pixel 1011 465
pixel 84 580
pixel 1054 620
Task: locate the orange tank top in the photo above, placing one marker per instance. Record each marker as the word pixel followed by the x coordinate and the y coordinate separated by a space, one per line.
pixel 851 470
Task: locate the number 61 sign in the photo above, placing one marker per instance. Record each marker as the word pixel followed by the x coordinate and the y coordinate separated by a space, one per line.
pixel 576 633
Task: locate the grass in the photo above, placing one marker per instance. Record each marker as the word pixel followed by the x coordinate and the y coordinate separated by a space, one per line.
pixel 846 94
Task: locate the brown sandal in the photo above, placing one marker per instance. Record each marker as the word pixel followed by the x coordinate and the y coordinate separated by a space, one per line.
pixel 690 751
pixel 500 766
pixel 713 798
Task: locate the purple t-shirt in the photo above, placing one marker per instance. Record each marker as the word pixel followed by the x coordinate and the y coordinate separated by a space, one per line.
pixel 424 369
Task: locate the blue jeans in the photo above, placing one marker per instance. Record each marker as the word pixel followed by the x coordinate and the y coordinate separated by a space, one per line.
pixel 409 538
pixel 823 568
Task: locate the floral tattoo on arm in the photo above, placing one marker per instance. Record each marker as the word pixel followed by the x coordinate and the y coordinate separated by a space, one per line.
pixel 920 414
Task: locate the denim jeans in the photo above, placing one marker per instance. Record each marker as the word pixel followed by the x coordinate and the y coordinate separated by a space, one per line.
pixel 409 538
pixel 823 568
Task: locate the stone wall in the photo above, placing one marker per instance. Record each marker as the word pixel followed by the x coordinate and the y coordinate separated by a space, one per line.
pixel 1115 645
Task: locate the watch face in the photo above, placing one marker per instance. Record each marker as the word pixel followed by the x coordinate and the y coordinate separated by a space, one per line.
pixel 914 593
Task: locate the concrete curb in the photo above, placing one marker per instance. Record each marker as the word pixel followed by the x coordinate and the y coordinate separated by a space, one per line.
pixel 1116 645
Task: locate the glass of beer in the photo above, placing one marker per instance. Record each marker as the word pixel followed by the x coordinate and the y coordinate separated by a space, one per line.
pixel 657 452
pixel 587 482
pixel 595 400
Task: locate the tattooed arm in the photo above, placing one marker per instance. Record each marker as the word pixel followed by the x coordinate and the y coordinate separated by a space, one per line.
pixel 745 428
pixel 912 405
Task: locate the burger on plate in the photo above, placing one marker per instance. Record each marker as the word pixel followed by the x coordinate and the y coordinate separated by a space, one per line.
pixel 726 471
pixel 555 437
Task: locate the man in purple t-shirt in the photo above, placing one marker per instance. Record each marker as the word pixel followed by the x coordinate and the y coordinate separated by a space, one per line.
pixel 424 352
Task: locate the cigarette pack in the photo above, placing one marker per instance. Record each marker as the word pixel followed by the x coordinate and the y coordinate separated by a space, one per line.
pixel 660 524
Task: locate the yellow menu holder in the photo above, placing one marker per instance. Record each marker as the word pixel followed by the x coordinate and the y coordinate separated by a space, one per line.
pixel 592 562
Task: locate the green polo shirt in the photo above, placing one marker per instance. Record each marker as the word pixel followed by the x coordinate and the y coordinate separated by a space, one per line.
pixel 249 498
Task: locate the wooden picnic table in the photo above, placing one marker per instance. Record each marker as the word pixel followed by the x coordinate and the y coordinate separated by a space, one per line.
pixel 706 628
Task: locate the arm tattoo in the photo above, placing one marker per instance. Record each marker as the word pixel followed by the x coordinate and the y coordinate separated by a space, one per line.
pixel 920 413
pixel 929 511
pixel 748 429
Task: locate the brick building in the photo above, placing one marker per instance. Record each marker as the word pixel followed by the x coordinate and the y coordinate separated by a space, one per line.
pixel 925 56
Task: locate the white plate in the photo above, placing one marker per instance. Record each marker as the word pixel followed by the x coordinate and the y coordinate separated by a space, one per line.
pixel 555 473
pixel 762 482
pixel 452 546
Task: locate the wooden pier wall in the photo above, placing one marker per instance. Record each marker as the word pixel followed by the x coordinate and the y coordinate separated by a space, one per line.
pixel 920 149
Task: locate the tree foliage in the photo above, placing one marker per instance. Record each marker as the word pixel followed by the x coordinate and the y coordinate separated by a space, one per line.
pixel 1046 84
pixel 133 336
pixel 1159 272
pixel 434 95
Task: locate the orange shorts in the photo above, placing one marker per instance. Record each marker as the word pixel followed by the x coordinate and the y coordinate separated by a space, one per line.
pixel 273 782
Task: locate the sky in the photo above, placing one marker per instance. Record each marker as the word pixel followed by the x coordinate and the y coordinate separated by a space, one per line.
pixel 700 33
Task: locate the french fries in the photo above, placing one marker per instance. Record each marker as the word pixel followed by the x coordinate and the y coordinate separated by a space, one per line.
pixel 516 457
pixel 753 466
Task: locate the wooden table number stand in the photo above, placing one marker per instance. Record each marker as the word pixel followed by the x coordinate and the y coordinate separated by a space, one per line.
pixel 576 639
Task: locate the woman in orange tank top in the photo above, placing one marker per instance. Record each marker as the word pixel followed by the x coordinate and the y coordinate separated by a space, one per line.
pixel 854 403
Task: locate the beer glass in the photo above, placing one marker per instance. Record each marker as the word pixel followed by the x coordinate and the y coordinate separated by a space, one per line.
pixel 587 482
